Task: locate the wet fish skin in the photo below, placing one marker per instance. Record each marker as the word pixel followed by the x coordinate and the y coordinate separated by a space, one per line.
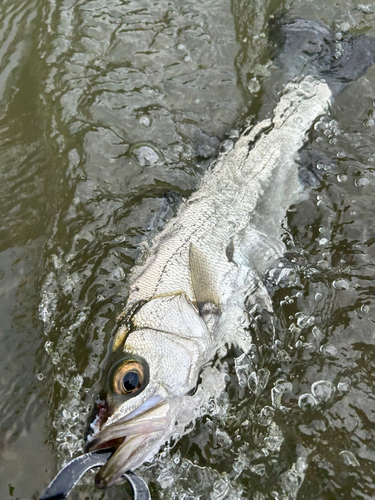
pixel 188 293
pixel 186 296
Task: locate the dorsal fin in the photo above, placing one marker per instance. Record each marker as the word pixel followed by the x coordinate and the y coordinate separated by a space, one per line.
pixel 202 278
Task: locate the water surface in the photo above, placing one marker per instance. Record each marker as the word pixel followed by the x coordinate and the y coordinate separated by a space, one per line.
pixel 110 113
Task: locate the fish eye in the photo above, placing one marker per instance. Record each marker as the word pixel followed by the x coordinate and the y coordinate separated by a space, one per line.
pixel 130 381
pixel 129 378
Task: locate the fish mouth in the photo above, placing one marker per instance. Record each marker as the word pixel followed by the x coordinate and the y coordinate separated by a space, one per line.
pixel 135 438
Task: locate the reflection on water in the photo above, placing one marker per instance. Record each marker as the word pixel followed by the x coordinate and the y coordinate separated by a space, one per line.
pixel 110 114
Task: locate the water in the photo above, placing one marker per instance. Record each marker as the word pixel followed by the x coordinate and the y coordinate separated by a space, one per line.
pixel 110 112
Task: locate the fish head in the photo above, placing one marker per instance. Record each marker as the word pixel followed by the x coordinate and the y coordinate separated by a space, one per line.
pixel 155 366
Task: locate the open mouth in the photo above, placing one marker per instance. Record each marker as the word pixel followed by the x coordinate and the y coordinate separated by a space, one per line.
pixel 135 438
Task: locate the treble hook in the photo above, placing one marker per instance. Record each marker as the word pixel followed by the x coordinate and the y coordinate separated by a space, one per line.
pixel 69 476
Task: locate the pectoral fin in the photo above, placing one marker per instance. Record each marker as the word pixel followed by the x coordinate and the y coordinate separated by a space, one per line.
pixel 202 278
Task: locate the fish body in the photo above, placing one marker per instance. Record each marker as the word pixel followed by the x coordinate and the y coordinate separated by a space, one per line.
pixel 209 258
pixel 187 295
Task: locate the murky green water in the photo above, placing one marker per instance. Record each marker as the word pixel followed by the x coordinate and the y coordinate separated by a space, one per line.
pixel 110 113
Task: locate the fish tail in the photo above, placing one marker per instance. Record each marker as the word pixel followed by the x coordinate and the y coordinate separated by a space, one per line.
pixel 303 47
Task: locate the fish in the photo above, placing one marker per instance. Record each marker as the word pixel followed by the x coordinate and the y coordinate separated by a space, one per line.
pixel 189 295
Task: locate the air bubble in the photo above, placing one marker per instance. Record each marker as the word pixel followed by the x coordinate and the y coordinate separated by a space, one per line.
pixel 304 321
pixel 344 385
pixel 275 438
pixel 283 356
pixel 328 350
pixel 258 469
pixel 57 263
pixel 258 380
pixel 283 386
pixel 68 287
pixel 146 156
pixel 118 274
pixel 252 382
pixel 361 182
pixel 211 406
pixel 177 458
pixel 220 490
pixel 55 358
pixel 241 319
pixel 223 439
pixel 259 496
pixel 66 414
pixel 369 123
pixel 48 346
pixel 322 390
pixel 341 284
pixel 342 177
pixel 345 27
pixel 263 376
pixel 306 401
pixel 349 458
pixel 322 264
pixel 120 239
pixel 145 120
pixel 166 479
pixel 254 86
pixel 298 344
pixel 301 465
pixel 40 376
pixel 291 481
pixel 242 366
pixel 266 416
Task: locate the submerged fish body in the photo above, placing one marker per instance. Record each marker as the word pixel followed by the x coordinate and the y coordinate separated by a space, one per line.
pixel 186 296
pixel 189 295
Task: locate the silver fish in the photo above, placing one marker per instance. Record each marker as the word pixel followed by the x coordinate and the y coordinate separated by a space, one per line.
pixel 188 292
